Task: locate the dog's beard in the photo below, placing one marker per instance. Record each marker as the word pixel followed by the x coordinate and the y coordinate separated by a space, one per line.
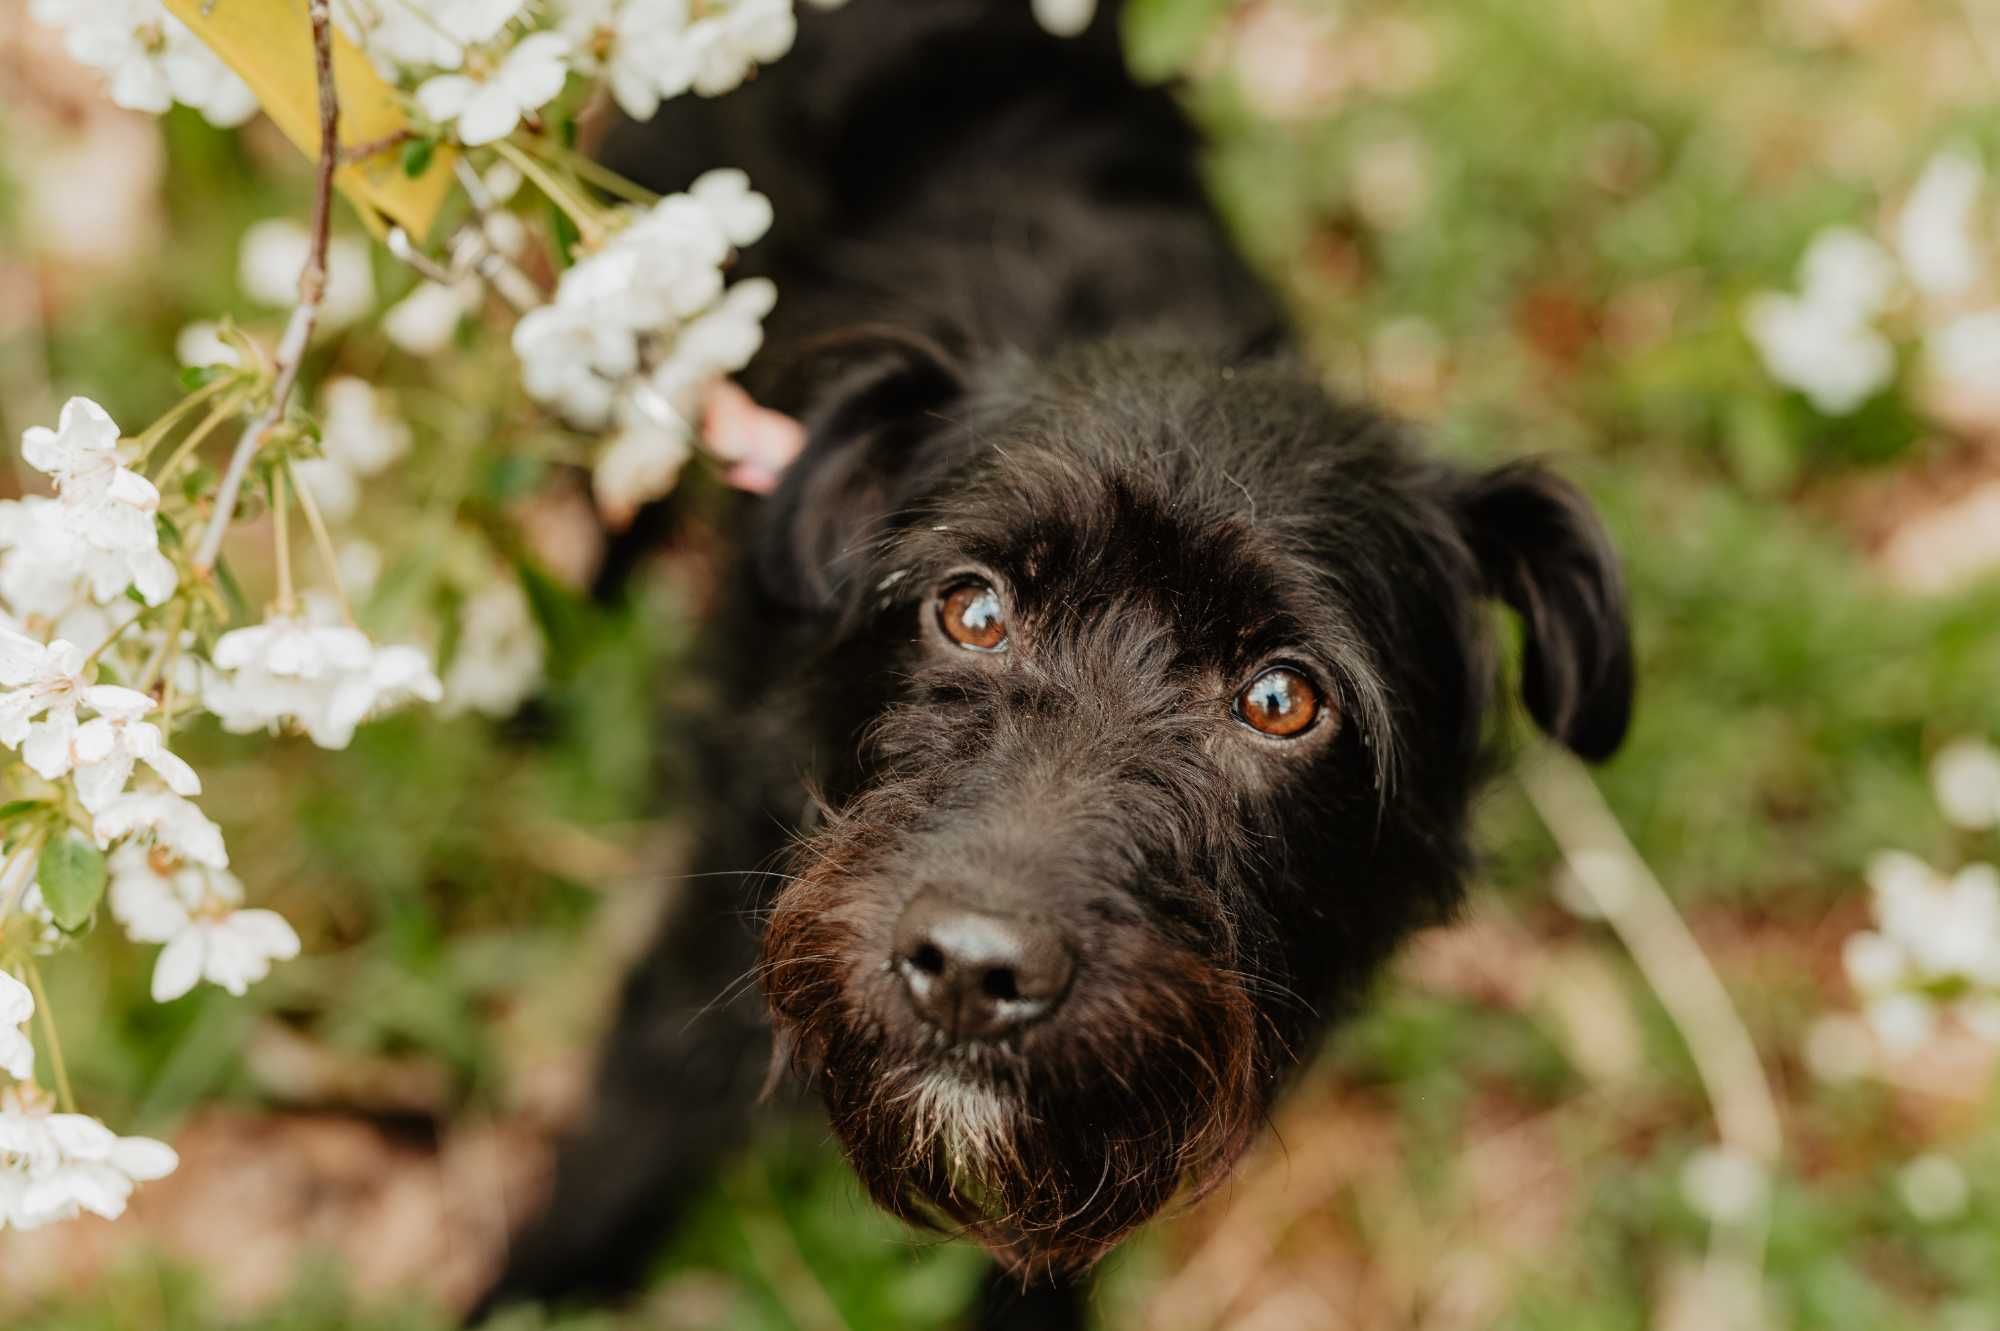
pixel 1047 1153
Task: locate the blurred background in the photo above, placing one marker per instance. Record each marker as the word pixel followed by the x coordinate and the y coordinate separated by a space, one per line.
pixel 1726 260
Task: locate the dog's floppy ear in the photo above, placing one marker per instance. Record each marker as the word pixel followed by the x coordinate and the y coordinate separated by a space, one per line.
pixel 1542 550
pixel 864 454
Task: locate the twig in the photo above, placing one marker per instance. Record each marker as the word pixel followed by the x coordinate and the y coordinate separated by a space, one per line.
pixel 312 289
pixel 361 152
pixel 1670 958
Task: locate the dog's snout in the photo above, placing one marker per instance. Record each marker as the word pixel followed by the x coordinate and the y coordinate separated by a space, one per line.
pixel 975 975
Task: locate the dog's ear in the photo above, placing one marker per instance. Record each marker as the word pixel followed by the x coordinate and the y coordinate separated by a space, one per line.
pixel 1542 550
pixel 864 455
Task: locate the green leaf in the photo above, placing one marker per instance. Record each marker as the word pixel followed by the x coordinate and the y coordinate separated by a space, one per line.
pixel 417 154
pixel 567 235
pixel 13 809
pixel 200 376
pixel 71 874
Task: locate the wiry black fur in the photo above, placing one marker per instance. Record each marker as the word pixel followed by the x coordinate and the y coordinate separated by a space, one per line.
pixel 1026 351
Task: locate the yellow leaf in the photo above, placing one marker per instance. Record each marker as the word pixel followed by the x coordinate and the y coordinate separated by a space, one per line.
pixel 269 43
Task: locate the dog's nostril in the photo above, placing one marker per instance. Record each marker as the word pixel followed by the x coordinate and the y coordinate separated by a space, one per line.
pixel 975 975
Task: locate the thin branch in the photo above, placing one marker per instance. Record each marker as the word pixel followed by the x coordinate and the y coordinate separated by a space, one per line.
pixel 361 152
pixel 1670 958
pixel 312 289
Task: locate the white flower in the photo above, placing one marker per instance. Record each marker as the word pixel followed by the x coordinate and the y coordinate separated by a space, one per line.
pixel 399 34
pixel 40 679
pixel 1933 1187
pixel 272 255
pixel 1873 963
pixel 172 823
pixel 1965 777
pixel 498 661
pixel 1935 231
pixel 559 348
pixel 1947 928
pixel 723 340
pixel 424 322
pixel 1722 1185
pixel 742 213
pixel 98 534
pixel 487 109
pixel 325 677
pixel 1903 1022
pixel 196 912
pixel 81 454
pixel 151 60
pixel 640 464
pixel 1822 341
pixel 54 553
pixel 1837 365
pixel 676 251
pixel 100 753
pixel 640 50
pixel 105 749
pixel 17 1008
pixel 201 344
pixel 56 1166
pixel 728 45
pixel 1065 18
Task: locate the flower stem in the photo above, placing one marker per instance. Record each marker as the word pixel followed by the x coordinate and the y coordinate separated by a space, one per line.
pixel 322 541
pixel 112 637
pixel 589 225
pixel 281 537
pixel 63 1093
pixel 591 172
pixel 224 409
pixel 169 643
pixel 149 438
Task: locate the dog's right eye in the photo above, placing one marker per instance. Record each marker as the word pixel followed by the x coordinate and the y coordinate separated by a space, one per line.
pixel 971 615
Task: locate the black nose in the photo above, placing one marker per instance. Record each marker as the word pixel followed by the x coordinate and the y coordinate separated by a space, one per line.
pixel 975 975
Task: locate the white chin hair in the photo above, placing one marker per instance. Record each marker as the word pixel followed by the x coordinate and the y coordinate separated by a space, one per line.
pixel 969 1122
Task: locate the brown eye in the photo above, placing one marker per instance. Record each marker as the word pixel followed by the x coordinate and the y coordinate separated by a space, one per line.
pixel 1279 702
pixel 971 616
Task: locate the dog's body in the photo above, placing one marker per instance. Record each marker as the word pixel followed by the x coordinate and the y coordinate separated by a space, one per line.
pixel 1110 699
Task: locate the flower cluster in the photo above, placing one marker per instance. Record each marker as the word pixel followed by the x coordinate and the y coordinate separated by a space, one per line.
pixel 105 643
pixel 481 67
pixel 1933 955
pixel 56 1166
pixel 1835 339
pixel 641 327
pixel 96 538
pixel 148 57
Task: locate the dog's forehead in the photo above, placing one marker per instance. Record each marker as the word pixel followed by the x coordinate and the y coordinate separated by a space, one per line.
pixel 1069 534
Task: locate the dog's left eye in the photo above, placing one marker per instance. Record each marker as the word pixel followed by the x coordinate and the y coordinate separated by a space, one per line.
pixel 971 616
pixel 1280 702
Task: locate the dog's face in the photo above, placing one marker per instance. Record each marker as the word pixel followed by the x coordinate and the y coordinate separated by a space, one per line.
pixel 1157 693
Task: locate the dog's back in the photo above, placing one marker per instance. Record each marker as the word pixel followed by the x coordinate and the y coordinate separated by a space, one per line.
pixel 947 167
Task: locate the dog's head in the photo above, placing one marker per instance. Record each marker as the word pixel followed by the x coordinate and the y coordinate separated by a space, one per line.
pixel 1156 693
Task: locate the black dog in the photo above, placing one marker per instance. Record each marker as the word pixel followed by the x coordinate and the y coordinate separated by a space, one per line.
pixel 1111 698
